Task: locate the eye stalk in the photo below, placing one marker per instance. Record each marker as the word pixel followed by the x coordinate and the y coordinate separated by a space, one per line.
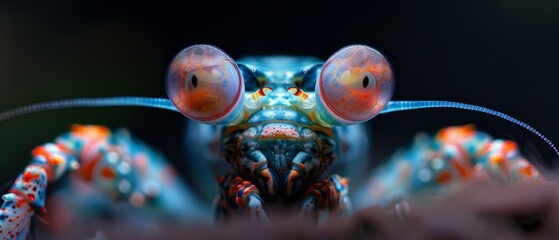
pixel 206 85
pixel 355 84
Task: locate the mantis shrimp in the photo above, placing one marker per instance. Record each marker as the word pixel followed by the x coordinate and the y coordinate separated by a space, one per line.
pixel 276 132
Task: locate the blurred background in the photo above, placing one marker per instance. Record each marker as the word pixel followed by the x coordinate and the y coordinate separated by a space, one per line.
pixel 498 54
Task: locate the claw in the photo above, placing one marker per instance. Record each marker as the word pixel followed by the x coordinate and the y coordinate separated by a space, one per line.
pixel 308 207
pixel 254 211
pixel 292 183
pixel 267 180
pixel 325 198
pixel 402 210
pixel 241 197
pixel 99 236
pixel 15 217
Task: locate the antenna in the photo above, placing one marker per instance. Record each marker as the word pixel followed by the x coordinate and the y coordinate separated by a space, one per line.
pixel 394 106
pixel 161 103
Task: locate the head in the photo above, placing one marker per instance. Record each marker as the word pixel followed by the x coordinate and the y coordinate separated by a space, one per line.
pixel 279 111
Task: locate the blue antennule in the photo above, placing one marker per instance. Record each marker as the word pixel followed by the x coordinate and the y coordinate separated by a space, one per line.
pixel 394 106
pixel 161 103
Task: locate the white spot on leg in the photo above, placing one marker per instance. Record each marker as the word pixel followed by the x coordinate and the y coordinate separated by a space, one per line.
pixel 137 199
pixel 437 164
pixel 112 157
pixel 424 175
pixel 124 186
pixel 74 165
pixel 124 167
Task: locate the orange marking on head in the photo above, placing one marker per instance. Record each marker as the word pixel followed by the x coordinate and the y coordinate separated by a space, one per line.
pixel 312 115
pixel 267 90
pixel 298 93
pixel 444 177
pixel 246 115
pixel 303 96
pixel 279 131
pixel 260 93
pixel 257 95
pixel 108 172
pixel 293 90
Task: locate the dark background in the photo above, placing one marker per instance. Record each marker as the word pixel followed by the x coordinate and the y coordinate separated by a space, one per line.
pixel 498 54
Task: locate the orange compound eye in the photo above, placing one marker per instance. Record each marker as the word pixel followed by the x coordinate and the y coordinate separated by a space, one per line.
pixel 355 84
pixel 205 84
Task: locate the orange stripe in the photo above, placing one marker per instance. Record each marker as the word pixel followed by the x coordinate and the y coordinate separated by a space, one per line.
pixel 443 177
pixel 461 170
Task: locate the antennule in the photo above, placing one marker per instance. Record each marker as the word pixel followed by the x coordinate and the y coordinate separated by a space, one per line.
pixel 394 106
pixel 161 103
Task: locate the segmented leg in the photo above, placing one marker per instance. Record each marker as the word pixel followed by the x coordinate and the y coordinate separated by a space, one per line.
pixel 238 196
pixel 326 198
pixel 109 167
pixel 435 166
pixel 28 193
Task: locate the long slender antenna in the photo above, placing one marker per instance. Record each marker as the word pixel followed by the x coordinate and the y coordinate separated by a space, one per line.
pixel 161 103
pixel 394 106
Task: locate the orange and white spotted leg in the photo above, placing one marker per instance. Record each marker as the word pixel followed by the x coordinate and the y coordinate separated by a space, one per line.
pixel 27 194
pixel 326 198
pixel 436 166
pixel 238 196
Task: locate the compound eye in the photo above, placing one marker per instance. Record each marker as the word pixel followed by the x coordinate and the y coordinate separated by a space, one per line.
pixel 355 84
pixel 205 84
